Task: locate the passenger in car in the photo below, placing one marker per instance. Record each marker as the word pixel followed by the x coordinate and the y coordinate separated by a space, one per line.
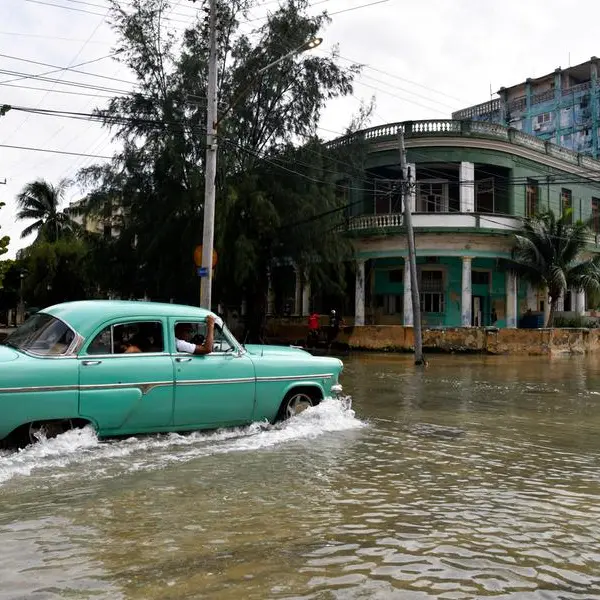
pixel 183 332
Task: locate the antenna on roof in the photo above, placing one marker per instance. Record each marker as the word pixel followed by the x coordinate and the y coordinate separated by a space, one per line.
pixel 569 60
pixel 490 90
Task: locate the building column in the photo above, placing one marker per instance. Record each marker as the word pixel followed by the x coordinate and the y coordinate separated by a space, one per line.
pixel 413 190
pixel 466 318
pixel 306 297
pixel 298 292
pixel 467 187
pixel 408 311
pixel 579 296
pixel 359 297
pixel 531 298
pixel 511 300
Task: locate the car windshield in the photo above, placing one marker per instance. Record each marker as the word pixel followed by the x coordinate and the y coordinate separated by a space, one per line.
pixel 42 334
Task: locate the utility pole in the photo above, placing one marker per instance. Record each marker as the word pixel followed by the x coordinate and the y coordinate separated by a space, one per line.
pixel 210 169
pixel 406 188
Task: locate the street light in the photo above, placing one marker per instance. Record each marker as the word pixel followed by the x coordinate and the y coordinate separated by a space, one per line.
pixel 212 122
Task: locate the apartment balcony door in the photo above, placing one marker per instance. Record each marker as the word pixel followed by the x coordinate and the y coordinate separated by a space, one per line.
pixel 432 195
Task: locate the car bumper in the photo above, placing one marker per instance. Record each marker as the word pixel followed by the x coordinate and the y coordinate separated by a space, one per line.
pixel 337 393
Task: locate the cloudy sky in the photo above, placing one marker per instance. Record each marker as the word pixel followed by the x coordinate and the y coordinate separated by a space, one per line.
pixel 422 61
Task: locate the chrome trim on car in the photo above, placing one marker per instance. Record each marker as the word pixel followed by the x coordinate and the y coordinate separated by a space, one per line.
pixel 126 355
pixel 144 387
pixel 215 381
pixel 295 377
pixel 39 388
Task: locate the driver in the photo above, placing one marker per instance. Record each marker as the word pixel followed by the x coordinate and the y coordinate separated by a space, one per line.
pixel 183 332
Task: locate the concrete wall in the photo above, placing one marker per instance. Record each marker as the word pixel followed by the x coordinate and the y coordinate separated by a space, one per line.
pixel 480 340
pixel 396 338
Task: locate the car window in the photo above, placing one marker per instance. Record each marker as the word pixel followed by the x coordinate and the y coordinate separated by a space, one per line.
pixel 128 338
pixel 195 332
pixel 42 334
pixel 221 343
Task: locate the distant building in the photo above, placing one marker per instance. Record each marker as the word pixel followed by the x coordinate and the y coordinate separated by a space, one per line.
pixel 107 225
pixel 562 107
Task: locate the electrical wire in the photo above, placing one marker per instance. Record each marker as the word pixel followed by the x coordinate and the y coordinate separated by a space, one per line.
pixel 33 149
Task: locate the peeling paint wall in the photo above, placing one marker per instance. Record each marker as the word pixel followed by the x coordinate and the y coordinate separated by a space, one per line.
pixel 396 338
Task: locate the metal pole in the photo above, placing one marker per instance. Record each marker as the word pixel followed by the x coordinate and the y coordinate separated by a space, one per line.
pixel 412 261
pixel 210 170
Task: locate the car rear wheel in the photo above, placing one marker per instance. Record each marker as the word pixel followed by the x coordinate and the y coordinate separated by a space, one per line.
pixel 39 430
pixel 296 402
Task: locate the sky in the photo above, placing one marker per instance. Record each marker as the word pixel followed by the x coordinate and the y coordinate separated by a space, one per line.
pixel 422 60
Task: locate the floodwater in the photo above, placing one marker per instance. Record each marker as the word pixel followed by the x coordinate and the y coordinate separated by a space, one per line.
pixel 476 478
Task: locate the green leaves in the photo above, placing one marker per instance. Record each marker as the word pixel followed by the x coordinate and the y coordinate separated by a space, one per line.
pixel 40 201
pixel 548 253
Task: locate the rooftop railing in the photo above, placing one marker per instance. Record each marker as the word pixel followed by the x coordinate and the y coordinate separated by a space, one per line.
pixel 470 129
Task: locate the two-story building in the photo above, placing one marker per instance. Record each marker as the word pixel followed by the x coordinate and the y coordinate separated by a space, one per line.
pixel 474 182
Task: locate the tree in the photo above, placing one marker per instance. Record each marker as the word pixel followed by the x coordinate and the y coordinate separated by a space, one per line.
pixel 55 272
pixel 40 201
pixel 549 252
pixel 268 124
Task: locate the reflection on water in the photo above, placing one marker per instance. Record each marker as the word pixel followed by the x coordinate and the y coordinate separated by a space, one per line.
pixel 477 477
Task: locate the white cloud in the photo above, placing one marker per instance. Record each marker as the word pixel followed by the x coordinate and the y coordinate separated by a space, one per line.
pixel 454 48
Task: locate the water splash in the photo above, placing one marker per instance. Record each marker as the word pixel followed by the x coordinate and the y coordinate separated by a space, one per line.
pixel 81 446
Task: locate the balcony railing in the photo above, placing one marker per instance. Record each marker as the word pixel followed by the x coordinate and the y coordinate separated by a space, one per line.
pixel 482 221
pixel 470 129
pixel 484 108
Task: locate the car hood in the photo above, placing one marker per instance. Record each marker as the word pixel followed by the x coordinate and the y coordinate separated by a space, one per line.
pixel 7 354
pixel 260 350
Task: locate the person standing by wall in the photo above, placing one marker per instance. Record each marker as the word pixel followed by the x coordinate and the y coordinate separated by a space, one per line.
pixel 313 329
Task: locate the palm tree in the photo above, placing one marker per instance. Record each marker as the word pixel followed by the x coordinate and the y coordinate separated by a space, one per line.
pixel 40 200
pixel 548 253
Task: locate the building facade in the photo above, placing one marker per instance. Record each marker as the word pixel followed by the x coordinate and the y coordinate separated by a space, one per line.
pixel 474 183
pixel 562 107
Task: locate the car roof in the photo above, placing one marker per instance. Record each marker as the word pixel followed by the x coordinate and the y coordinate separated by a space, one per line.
pixel 85 315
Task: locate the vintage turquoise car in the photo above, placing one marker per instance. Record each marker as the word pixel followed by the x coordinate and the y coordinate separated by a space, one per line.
pixel 67 366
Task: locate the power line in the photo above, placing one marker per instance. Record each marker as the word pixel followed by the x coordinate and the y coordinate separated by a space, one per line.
pixel 339 12
pixel 74 59
pixel 70 68
pixel 42 89
pixel 89 86
pixel 33 149
pixel 49 37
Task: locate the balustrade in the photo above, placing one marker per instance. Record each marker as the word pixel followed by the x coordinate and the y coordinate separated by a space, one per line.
pixel 449 127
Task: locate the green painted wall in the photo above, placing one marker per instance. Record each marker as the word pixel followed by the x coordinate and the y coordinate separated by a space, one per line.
pixel 493 295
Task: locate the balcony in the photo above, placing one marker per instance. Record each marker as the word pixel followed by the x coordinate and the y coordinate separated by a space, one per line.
pixel 492 223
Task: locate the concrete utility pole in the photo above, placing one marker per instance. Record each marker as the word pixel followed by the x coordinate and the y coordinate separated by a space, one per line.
pixel 210 170
pixel 406 188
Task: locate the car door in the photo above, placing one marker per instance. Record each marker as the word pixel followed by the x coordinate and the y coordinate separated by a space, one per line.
pixel 216 389
pixel 125 390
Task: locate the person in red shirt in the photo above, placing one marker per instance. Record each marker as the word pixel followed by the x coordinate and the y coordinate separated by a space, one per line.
pixel 313 329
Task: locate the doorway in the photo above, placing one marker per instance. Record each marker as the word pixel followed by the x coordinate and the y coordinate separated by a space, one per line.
pixel 478 311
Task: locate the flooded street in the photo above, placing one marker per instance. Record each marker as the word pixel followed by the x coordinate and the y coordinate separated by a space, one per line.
pixel 478 477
